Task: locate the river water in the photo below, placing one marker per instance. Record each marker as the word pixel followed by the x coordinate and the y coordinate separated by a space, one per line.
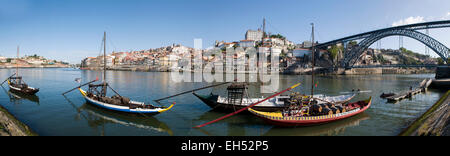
pixel 49 113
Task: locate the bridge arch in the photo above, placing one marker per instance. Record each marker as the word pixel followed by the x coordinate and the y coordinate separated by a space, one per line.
pixel 352 57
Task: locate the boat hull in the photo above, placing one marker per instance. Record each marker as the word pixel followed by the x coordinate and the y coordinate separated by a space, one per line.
pixel 211 101
pixel 27 91
pixel 123 109
pixel 307 121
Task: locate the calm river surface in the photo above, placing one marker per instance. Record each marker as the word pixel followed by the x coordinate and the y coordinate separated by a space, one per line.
pixel 50 113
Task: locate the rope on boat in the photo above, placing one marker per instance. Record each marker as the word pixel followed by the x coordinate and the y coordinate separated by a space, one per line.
pixel 8 78
pixel 250 106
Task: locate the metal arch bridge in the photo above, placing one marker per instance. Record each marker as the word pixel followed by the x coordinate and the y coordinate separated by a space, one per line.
pixel 411 31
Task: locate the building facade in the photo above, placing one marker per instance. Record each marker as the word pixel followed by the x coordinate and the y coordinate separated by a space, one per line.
pixel 247 43
pixel 254 35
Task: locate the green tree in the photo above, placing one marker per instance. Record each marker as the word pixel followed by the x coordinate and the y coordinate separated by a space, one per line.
pixel 441 61
pixel 333 52
pixel 278 36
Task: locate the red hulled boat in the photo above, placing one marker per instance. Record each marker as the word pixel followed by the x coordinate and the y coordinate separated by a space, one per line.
pixel 308 115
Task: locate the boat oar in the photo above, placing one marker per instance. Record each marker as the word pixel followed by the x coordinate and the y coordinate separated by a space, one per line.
pixel 79 86
pixel 250 106
pixel 8 78
pixel 186 92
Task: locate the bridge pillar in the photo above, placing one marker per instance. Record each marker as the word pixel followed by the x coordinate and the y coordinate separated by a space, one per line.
pixel 443 72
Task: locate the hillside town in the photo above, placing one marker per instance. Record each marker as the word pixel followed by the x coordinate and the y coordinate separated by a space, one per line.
pixel 293 58
pixel 33 61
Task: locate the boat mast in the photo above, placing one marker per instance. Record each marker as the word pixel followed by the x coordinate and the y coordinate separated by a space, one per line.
pixel 17 62
pixel 313 62
pixel 104 58
pixel 104 66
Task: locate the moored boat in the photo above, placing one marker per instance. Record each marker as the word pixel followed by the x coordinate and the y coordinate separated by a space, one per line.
pixel 306 117
pixel 121 104
pixel 16 84
pixel 97 96
pixel 275 104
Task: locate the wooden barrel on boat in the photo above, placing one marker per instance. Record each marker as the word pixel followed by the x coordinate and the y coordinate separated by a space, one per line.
pixel 329 105
pixel 316 108
pixel 341 109
pixel 327 111
pixel 323 106
pixel 335 110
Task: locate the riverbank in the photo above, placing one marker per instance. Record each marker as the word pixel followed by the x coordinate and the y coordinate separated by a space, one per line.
pixel 434 122
pixel 301 71
pixel 41 66
pixel 360 71
pixel 10 126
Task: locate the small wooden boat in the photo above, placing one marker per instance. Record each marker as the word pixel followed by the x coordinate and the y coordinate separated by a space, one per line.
pixel 386 95
pixel 96 95
pixel 17 96
pixel 122 104
pixel 289 119
pixel 275 104
pixel 16 84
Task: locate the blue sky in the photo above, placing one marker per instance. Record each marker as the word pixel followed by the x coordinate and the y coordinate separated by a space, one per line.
pixel 72 29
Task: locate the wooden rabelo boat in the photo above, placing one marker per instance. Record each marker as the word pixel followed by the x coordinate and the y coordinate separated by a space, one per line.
pixel 96 95
pixel 120 103
pixel 307 115
pixel 302 110
pixel 238 99
pixel 305 111
pixel 16 83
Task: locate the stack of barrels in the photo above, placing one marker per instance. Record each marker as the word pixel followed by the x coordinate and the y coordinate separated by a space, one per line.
pixel 325 109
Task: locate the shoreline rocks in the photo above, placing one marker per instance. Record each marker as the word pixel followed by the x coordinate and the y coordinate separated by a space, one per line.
pixel 10 126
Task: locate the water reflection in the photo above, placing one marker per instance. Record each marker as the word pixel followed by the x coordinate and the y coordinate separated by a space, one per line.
pixel 237 125
pixel 97 118
pixel 329 129
pixel 16 97
pixel 56 116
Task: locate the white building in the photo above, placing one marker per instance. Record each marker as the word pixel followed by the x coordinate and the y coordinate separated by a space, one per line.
pixel 276 51
pixel 254 35
pixel 3 59
pixel 36 62
pixel 119 57
pixel 180 50
pixel 288 43
pixel 109 60
pixel 307 44
pixel 264 50
pixel 173 59
pixel 247 43
pixel 277 41
pixel 227 45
